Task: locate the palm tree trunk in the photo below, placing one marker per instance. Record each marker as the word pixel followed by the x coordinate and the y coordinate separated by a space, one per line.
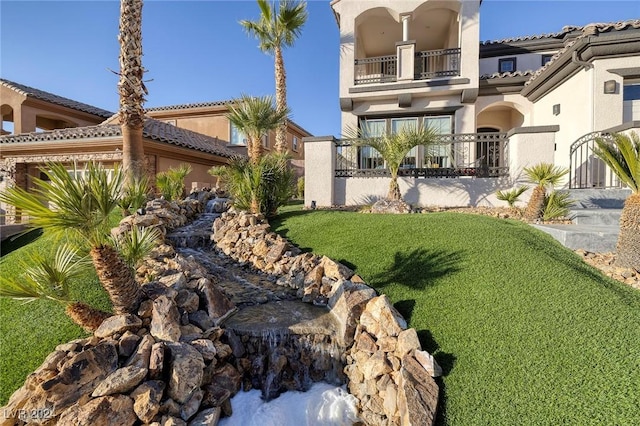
pixel 535 205
pixel 85 316
pixel 628 248
pixel 131 88
pixel 117 279
pixel 255 150
pixel 394 189
pixel 281 99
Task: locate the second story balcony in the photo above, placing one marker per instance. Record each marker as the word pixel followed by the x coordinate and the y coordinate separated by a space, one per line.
pixel 427 64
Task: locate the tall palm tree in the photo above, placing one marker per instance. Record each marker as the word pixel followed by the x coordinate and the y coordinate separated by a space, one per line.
pixel 622 155
pixel 131 88
pixel 255 117
pixel 393 147
pixel 278 27
pixel 81 202
pixel 543 175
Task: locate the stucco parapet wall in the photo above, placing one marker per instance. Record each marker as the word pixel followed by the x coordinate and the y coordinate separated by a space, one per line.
pixel 312 139
pixel 410 85
pixel 532 129
pixel 623 127
pixel 588 48
pixel 633 72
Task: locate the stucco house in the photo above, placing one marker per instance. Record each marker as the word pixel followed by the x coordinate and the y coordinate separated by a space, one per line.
pixel 38 127
pixel 499 106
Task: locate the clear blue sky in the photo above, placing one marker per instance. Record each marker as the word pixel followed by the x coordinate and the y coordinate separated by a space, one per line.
pixel 195 51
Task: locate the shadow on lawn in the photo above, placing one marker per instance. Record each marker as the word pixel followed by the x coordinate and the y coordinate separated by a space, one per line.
pixel 418 269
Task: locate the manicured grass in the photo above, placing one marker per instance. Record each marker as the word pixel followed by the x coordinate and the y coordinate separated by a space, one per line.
pixel 526 332
pixel 29 332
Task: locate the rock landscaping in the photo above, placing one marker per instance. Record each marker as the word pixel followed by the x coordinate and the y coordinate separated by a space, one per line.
pixel 275 319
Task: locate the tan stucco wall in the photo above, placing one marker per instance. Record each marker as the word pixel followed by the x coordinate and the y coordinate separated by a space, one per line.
pixel 198 172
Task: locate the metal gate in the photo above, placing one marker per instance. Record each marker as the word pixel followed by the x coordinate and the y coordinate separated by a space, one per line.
pixel 586 170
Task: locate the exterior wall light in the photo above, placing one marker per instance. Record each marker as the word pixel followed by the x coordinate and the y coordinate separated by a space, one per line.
pixel 610 87
pixel 556 109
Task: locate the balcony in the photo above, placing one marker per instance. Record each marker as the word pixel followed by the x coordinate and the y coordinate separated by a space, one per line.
pixel 426 65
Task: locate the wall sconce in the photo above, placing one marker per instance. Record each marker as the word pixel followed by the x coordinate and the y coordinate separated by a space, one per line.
pixel 313 205
pixel 556 109
pixel 610 87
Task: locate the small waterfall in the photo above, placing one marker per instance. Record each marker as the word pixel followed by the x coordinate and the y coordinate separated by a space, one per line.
pixel 217 205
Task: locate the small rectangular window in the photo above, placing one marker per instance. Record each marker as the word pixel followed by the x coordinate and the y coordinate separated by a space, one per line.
pixel 507 65
pixel 237 137
pixel 545 59
pixel 294 144
pixel 265 141
pixel 631 92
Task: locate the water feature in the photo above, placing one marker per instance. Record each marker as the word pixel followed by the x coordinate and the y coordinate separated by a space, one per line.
pixel 198 233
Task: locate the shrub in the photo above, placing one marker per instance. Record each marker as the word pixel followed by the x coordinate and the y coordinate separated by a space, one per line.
pixel 135 196
pixel 300 188
pixel 512 195
pixel 556 205
pixel 261 187
pixel 136 244
pixel 171 183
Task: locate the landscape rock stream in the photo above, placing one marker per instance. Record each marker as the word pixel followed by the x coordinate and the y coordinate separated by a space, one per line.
pixel 246 311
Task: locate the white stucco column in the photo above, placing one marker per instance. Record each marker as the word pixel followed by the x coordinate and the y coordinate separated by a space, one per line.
pixel 528 146
pixel 405 27
pixel 319 170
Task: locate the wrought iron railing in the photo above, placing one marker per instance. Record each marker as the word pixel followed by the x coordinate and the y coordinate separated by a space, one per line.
pixel 379 69
pixel 437 63
pixel 586 170
pixel 454 155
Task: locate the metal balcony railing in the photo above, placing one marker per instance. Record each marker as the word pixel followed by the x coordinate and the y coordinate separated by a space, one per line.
pixel 455 155
pixel 437 63
pixel 379 69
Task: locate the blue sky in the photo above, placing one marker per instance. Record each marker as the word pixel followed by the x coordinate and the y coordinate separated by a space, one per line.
pixel 195 51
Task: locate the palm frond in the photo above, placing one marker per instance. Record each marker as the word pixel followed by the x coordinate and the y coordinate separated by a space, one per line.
pixel 512 195
pixel 556 205
pixel 134 245
pixel 622 155
pixel 545 174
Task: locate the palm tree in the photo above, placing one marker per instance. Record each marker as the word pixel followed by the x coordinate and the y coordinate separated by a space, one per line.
pixel 131 88
pixel 81 202
pixel 622 155
pixel 49 279
pixel 278 27
pixel 543 175
pixel 395 146
pixel 255 117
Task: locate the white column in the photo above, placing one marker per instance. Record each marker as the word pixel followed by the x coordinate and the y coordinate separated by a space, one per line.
pixel 405 27
pixel 319 170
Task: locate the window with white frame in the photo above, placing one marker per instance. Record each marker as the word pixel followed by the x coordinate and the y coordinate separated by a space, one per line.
pixel 397 126
pixel 295 143
pixel 237 137
pixel 507 64
pixel 265 141
pixel 369 158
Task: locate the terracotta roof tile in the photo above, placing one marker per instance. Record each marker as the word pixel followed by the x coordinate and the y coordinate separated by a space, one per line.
pixel 189 106
pixel 55 99
pixel 587 30
pixel 153 129
pixel 506 74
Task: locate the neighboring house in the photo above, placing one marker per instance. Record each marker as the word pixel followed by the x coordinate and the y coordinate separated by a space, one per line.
pixel 209 119
pixel 499 106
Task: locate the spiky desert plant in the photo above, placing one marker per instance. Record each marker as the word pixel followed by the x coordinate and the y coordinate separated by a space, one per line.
pixel 131 88
pixel 49 279
pixel 511 196
pixel 543 175
pixel 556 205
pixel 261 187
pixel 170 184
pixel 622 155
pixel 255 117
pixel 393 147
pixel 134 245
pixel 135 195
pixel 80 202
pixel 277 28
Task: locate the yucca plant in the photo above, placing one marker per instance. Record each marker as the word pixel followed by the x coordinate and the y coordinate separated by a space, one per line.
pixel 255 117
pixel 543 175
pixel 394 147
pixel 277 28
pixel 622 155
pixel 511 196
pixel 49 279
pixel 171 183
pixel 261 187
pixel 80 202
pixel 134 245
pixel 556 205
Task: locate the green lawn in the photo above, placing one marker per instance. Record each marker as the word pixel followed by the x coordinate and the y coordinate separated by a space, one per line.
pixel 28 332
pixel 526 332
